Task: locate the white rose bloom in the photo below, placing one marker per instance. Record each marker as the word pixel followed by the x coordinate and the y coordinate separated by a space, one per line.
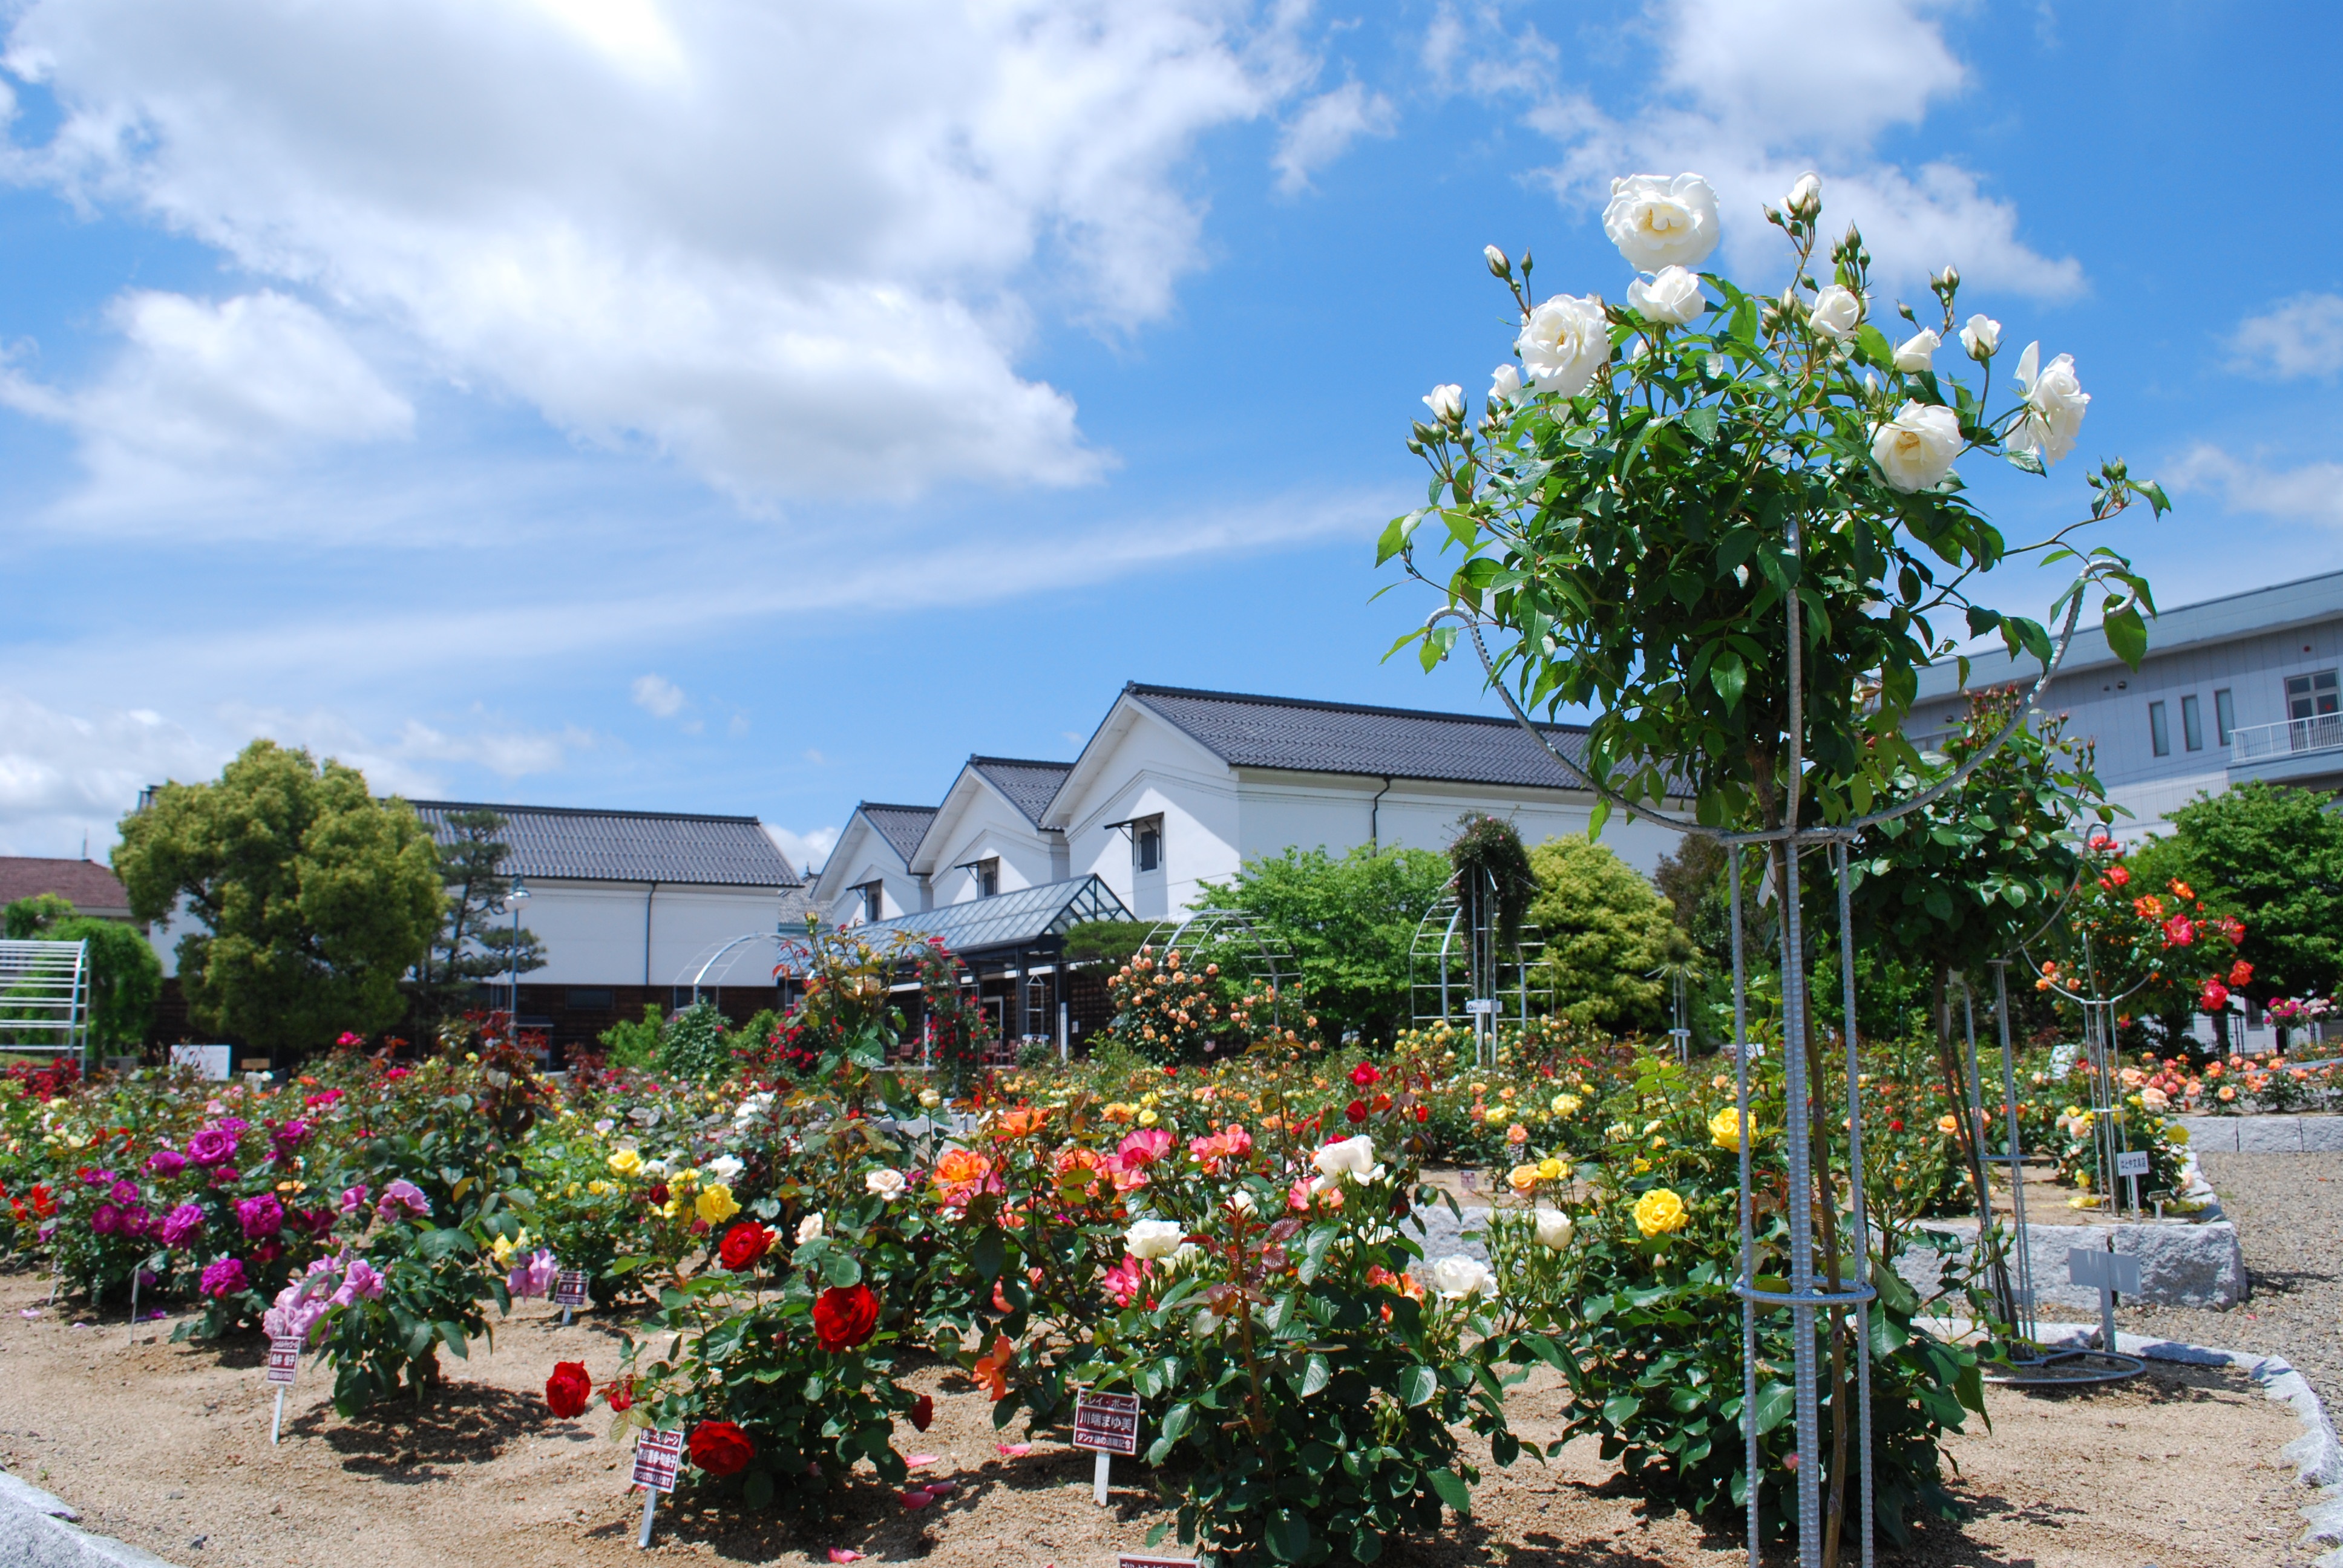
pixel 1446 403
pixel 1836 313
pixel 1187 1255
pixel 1915 449
pixel 753 1107
pixel 1671 296
pixel 2055 403
pixel 1563 343
pixel 1981 337
pixel 723 1168
pixel 1918 352
pixel 1242 1200
pixel 1805 198
pixel 1553 1228
pixel 654 1168
pixel 1152 1239
pixel 1660 222
pixel 886 1181
pixel 1459 1276
pixel 1352 1157
pixel 809 1229
pixel 1504 383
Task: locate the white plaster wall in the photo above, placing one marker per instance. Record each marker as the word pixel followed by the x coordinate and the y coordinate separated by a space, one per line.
pixel 593 932
pixel 1151 770
pixel 978 824
pixel 1335 811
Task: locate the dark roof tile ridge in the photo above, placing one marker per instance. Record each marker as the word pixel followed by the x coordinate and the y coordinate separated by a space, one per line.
pixel 582 811
pixel 893 805
pixel 1017 762
pixel 1137 689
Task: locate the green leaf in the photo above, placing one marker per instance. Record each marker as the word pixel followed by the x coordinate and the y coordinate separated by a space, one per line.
pixel 757 1492
pixel 1315 1375
pixel 2128 635
pixel 1702 422
pixel 1418 1385
pixel 988 1255
pixel 1621 1408
pixel 1288 1536
pixel 1453 1489
pixel 1776 1402
pixel 1730 676
pixel 2026 461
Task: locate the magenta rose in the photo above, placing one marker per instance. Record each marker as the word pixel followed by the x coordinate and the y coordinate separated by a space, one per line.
pixel 181 1223
pixel 125 1192
pixel 165 1164
pixel 224 1278
pixel 105 1219
pixel 261 1216
pixel 212 1146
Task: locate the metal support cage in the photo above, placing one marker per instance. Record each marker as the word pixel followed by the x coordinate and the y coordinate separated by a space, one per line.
pixel 1459 972
pixel 44 997
pixel 1233 940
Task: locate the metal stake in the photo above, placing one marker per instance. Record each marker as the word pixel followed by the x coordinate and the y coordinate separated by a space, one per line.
pixel 650 1507
pixel 1097 1480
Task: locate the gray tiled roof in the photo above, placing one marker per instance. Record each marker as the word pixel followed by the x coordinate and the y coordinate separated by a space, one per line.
pixel 1030 786
pixel 901 826
pixel 561 841
pixel 1345 738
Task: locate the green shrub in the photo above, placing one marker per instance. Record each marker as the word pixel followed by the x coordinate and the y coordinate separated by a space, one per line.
pixel 636 1045
pixel 1606 928
pixel 698 1043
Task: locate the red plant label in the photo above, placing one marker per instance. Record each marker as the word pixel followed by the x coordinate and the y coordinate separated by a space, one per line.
pixel 658 1456
pixel 570 1288
pixel 284 1358
pixel 1107 1423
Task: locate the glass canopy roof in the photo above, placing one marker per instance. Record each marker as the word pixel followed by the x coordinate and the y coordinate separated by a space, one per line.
pixel 1018 917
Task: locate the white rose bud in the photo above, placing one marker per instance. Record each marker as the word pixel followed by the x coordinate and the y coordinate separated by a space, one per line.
pixel 1446 403
pixel 1836 313
pixel 1242 1200
pixel 1805 198
pixel 1553 1228
pixel 1918 352
pixel 1152 1239
pixel 1458 1276
pixel 1504 383
pixel 885 1182
pixel 1671 296
pixel 1657 222
pixel 1498 265
pixel 2055 403
pixel 809 1229
pixel 1981 337
pixel 1915 449
pixel 1563 343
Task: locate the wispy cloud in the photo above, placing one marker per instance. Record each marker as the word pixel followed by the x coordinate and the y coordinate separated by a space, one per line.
pixel 2306 493
pixel 2302 337
pixel 1324 130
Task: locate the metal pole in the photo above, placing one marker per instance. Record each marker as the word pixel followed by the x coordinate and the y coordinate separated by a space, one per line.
pixel 1747 1211
pixel 1798 1142
pixel 2022 1323
pixel 1861 1221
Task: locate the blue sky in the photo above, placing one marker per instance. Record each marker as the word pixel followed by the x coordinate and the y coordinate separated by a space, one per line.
pixel 744 407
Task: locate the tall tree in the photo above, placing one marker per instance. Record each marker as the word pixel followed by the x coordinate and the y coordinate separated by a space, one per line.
pixel 313 900
pixel 1605 930
pixel 476 942
pixel 125 975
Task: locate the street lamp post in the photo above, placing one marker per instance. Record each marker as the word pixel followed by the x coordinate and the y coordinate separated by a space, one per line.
pixel 517 897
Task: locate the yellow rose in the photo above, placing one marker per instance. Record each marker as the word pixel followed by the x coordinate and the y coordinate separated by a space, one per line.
pixel 1566 1104
pixel 1553 1169
pixel 626 1162
pixel 1660 1212
pixel 671 1209
pixel 598 1186
pixel 1724 1129
pixel 1494 1114
pixel 715 1204
pixel 1147 1119
pixel 501 1250
pixel 1522 1178
pixel 2174 1132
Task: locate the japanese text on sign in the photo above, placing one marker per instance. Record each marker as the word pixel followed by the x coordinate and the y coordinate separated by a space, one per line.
pixel 658 1456
pixel 1107 1423
pixel 284 1358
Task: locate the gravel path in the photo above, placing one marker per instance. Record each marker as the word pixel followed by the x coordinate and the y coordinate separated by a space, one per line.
pixel 2289 1213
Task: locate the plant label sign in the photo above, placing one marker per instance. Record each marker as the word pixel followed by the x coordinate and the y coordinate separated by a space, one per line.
pixel 1107 1423
pixel 284 1358
pixel 1149 1560
pixel 1487 1004
pixel 570 1288
pixel 2133 1162
pixel 658 1456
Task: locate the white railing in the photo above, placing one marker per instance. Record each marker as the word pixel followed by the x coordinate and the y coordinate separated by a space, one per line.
pixel 2322 733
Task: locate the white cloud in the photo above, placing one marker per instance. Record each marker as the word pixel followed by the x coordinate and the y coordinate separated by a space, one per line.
pixel 789 247
pixel 207 390
pixel 658 696
pixel 508 753
pixel 1324 130
pixel 2309 493
pixel 1751 93
pixel 805 851
pixel 64 775
pixel 2302 337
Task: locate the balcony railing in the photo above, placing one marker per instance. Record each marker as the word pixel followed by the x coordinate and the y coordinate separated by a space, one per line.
pixel 2321 733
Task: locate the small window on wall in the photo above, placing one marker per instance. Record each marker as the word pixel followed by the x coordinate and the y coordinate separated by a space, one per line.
pixel 1147 844
pixel 2311 696
pixel 2192 724
pixel 874 900
pixel 2225 716
pixel 588 999
pixel 987 878
pixel 2159 732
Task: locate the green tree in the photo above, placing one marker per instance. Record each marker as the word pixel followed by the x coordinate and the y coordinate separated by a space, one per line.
pixel 1349 924
pixel 314 900
pixel 2273 856
pixel 1606 928
pixel 474 943
pixel 125 975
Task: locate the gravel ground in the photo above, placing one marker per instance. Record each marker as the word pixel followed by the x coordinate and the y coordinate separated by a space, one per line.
pixel 2289 1213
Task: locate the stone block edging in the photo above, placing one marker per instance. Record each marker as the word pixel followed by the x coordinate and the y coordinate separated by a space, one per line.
pixel 2181 1263
pixel 2265 1134
pixel 36 1532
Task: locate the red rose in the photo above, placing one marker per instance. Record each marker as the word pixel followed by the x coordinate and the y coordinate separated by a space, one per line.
pixel 1356 1110
pixel 1365 1075
pixel 843 1319
pixel 743 1244
pixel 923 1411
pixel 721 1448
pixel 620 1394
pixel 569 1388
pixel 1423 1113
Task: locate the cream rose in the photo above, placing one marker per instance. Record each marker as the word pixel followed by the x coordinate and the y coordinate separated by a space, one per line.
pixel 1553 1228
pixel 1505 384
pixel 886 1182
pixel 1918 352
pixel 1152 1239
pixel 809 1229
pixel 2055 403
pixel 1657 222
pixel 1459 1276
pixel 1981 337
pixel 1352 1157
pixel 1671 296
pixel 1563 343
pixel 1915 449
pixel 1836 313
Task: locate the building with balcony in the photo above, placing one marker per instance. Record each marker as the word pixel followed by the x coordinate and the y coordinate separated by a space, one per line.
pixel 2233 689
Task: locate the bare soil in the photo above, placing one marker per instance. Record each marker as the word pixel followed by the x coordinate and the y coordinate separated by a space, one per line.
pixel 167 1446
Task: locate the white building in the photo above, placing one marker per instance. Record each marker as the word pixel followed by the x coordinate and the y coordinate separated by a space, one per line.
pixel 2233 689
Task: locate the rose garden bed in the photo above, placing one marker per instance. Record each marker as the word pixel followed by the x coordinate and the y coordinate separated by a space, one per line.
pixel 167 1447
